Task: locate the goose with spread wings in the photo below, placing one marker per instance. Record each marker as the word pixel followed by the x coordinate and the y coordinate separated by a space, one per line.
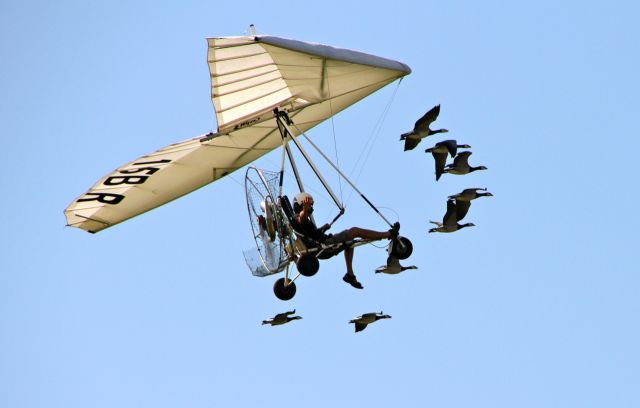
pixel 421 129
pixel 461 165
pixel 464 198
pixel 361 322
pixel 440 152
pixel 282 318
pixel 450 220
pixel 393 266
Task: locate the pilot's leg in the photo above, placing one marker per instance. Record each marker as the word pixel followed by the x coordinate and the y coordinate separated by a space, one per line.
pixel 348 258
pixel 356 232
pixel 350 277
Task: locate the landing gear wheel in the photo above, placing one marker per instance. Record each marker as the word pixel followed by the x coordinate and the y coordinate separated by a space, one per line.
pixel 283 292
pixel 308 265
pixel 401 249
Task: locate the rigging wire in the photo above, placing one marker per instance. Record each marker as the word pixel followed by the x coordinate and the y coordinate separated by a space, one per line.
pixel 370 143
pixel 368 147
pixel 375 131
pixel 234 179
pixel 333 130
pixel 365 152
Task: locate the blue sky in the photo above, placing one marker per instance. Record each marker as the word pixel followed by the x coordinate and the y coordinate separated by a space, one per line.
pixel 536 306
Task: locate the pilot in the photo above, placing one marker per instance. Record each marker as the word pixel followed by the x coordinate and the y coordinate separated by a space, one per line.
pixel 303 207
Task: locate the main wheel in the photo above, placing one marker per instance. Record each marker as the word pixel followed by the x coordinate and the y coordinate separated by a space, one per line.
pixel 308 265
pixel 283 292
pixel 401 248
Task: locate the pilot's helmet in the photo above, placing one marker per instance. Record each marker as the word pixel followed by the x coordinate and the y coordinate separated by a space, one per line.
pixel 299 199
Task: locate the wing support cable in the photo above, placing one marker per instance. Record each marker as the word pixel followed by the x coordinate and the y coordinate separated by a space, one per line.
pixel 344 176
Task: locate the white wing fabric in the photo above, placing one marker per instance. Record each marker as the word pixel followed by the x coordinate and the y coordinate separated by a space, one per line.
pixel 250 77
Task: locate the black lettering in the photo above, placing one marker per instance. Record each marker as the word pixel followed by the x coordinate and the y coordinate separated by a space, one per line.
pixel 104 198
pixel 247 123
pixel 163 161
pixel 149 170
pixel 117 180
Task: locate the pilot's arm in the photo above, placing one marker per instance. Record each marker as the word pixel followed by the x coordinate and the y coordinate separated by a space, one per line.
pixel 306 210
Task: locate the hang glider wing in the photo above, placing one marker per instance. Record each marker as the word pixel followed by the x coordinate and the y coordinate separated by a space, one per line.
pixel 250 77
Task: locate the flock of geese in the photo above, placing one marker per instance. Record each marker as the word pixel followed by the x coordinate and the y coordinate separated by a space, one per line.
pixel 457 205
pixel 360 322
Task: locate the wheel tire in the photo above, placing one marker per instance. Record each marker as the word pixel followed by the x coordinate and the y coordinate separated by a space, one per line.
pixel 308 265
pixel 283 292
pixel 402 251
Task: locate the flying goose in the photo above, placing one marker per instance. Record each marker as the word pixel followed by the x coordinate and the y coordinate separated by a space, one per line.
pixel 440 151
pixel 282 318
pixel 460 165
pixel 421 129
pixel 463 200
pixel 393 266
pixel 449 221
pixel 361 322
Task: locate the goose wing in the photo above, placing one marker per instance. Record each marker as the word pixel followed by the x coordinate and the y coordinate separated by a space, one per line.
pixel 410 143
pixel 422 124
pixel 440 162
pixel 392 261
pixel 462 207
pixel 451 145
pixel 360 326
pixel 450 216
pixel 461 159
pixel 393 265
